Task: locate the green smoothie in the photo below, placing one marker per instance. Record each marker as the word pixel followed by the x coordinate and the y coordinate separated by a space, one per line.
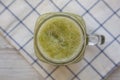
pixel 59 39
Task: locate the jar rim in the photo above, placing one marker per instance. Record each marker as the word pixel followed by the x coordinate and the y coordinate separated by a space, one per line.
pixel 70 17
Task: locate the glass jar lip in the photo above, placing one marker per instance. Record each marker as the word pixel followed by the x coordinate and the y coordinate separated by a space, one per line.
pixel 60 15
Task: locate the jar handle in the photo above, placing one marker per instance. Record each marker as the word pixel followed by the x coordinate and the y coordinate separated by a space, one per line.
pixel 95 39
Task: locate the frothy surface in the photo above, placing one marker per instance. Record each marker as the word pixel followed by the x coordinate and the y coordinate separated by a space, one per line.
pixel 59 39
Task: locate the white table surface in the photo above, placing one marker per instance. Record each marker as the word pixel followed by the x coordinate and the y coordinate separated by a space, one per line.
pixel 14 67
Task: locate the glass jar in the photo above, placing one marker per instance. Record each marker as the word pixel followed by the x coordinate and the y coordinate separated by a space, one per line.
pixel 85 38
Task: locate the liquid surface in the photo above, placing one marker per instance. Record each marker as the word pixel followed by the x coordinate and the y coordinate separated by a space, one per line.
pixel 59 38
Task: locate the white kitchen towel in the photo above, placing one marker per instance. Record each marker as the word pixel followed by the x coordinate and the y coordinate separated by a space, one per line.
pixel 17 22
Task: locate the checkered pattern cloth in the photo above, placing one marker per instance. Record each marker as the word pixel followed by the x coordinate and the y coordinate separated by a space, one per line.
pixel 17 22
